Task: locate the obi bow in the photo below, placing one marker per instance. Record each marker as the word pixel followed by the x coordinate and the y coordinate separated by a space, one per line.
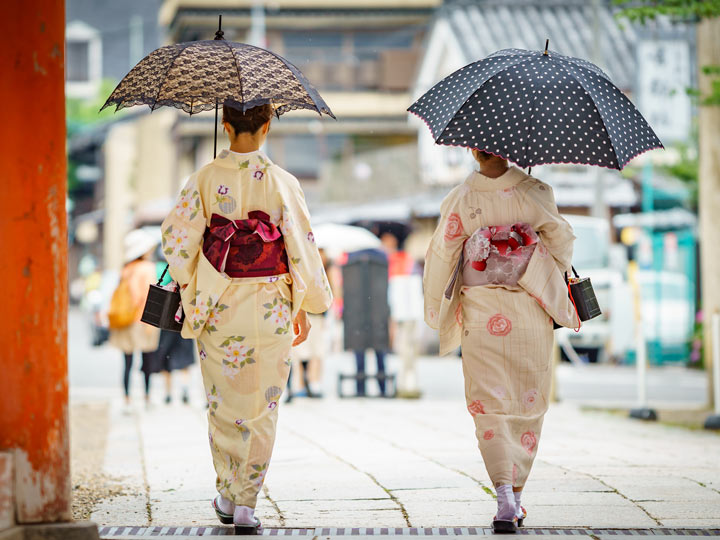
pixel 223 233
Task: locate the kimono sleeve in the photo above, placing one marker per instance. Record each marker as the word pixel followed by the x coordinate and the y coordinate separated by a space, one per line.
pixel 311 289
pixel 442 257
pixel 182 233
pixel 555 232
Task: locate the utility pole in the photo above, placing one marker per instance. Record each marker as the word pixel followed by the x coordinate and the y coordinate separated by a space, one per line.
pixel 708 54
pixel 34 434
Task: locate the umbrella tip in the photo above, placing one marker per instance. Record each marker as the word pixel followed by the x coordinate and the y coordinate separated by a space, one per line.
pixel 219 34
pixel 547 42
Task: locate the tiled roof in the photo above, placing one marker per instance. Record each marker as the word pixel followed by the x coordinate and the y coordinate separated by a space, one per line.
pixel 485 26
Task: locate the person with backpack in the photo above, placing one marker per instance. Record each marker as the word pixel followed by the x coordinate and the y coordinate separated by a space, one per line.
pixel 127 332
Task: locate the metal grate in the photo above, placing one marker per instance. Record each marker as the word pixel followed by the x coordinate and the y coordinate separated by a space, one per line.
pixel 118 532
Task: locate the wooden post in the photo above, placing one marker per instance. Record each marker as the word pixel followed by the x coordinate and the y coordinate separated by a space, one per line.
pixel 708 53
pixel 33 273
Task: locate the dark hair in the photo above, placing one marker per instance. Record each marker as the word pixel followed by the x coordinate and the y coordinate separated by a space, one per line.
pixel 483 154
pixel 248 121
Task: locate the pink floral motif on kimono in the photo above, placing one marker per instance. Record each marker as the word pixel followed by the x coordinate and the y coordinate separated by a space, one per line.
pixel 499 325
pixel 476 407
pixel 507 193
pixel 459 315
pixel 529 398
pixel 498 392
pixel 453 227
pixel 528 441
pixel 489 434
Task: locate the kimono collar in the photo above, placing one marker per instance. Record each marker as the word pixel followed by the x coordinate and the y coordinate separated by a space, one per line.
pixel 508 179
pixel 233 160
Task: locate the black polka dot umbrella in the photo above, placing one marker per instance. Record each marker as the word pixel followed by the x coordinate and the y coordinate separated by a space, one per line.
pixel 535 107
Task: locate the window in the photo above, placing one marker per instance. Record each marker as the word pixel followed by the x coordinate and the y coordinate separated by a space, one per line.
pixel 83 60
pixel 77 61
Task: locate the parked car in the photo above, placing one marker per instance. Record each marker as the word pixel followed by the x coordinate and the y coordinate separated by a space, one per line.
pixel 606 337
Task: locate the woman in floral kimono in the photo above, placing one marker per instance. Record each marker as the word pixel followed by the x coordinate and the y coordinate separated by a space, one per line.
pixel 239 244
pixel 499 303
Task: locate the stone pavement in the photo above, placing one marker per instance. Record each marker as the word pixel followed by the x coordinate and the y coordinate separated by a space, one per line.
pixel 411 464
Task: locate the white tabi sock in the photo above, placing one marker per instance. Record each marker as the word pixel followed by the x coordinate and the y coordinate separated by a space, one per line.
pixel 244 515
pixel 506 503
pixel 518 507
pixel 225 506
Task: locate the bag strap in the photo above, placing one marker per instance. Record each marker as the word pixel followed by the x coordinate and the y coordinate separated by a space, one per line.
pixel 162 276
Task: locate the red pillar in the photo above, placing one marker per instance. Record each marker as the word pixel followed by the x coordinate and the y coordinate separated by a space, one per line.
pixel 33 267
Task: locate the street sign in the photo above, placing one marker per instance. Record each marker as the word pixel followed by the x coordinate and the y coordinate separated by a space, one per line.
pixel 663 77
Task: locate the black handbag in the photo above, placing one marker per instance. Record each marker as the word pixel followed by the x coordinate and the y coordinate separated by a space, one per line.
pixel 582 294
pixel 161 306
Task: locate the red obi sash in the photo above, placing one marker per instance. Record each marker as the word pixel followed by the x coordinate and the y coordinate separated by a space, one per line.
pixel 252 247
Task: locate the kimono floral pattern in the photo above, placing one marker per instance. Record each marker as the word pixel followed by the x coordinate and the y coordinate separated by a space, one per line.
pixel 258 474
pixel 213 318
pixel 224 201
pixel 528 441
pixel 214 400
pixel 244 341
pixel 243 429
pixel 175 245
pixel 257 169
pixel 453 227
pixel 476 407
pixel 188 204
pixel 529 399
pixel 237 356
pixel 278 311
pixel 499 325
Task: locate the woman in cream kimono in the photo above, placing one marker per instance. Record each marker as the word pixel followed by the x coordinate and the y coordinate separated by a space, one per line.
pixel 505 330
pixel 239 244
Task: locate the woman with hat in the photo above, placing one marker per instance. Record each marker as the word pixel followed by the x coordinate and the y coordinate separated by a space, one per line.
pixel 127 333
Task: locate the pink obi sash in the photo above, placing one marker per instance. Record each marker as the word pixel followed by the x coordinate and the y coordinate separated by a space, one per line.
pixel 252 247
pixel 498 255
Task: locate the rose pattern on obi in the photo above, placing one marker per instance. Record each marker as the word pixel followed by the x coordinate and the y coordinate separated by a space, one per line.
pixel 259 475
pixel 528 441
pixel 529 398
pixel 476 407
pixel 188 204
pixel 244 431
pixel 237 356
pixel 499 325
pixel 489 434
pixel 214 400
pixel 453 227
pixel 279 313
pixel 174 245
pixel 478 246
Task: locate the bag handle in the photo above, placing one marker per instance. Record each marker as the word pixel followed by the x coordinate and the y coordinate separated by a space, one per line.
pixel 162 276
